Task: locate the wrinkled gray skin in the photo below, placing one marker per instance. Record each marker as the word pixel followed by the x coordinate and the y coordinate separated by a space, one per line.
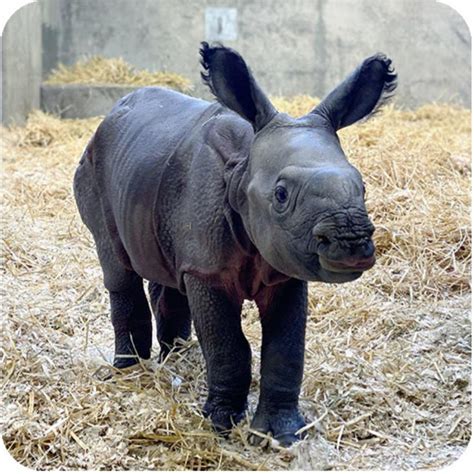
pixel 213 203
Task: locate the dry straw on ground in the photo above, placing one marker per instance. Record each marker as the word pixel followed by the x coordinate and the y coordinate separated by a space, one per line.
pixel 387 374
pixel 99 70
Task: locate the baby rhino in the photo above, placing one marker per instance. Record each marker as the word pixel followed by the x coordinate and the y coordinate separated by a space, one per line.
pixel 214 203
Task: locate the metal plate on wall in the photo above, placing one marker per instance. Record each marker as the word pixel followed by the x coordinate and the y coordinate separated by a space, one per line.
pixel 221 24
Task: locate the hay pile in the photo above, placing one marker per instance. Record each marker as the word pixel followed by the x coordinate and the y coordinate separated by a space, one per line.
pixel 98 70
pixel 387 374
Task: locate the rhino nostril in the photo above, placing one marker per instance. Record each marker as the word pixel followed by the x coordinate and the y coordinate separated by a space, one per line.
pixel 322 239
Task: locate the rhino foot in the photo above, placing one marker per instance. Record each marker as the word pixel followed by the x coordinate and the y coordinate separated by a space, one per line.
pixel 133 346
pixel 281 424
pixel 131 319
pixel 124 361
pixel 223 416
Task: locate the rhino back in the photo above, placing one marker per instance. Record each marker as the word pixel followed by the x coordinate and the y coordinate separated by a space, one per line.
pixel 159 160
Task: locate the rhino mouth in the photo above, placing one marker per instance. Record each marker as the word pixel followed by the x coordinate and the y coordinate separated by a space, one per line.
pixel 349 265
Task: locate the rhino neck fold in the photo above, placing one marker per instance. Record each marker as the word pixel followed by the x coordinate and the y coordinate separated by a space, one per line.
pixel 235 174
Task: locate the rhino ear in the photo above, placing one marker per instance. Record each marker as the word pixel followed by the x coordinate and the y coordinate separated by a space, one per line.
pixel 232 83
pixel 361 93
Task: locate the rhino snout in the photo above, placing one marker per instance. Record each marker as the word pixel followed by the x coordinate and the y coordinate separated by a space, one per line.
pixel 346 253
pixel 350 264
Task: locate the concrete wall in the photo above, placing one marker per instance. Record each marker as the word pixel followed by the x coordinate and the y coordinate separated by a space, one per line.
pixel 293 47
pixel 21 64
pixel 298 46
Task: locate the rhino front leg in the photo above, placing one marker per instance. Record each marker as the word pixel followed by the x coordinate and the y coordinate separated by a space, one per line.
pixel 283 316
pixel 227 353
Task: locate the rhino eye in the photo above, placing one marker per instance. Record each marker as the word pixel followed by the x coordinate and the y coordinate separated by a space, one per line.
pixel 281 194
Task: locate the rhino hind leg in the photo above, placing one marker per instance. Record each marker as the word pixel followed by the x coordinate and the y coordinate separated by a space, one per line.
pixel 131 319
pixel 131 316
pixel 172 315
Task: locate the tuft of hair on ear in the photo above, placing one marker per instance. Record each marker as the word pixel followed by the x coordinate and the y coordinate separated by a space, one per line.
pixel 207 53
pixel 220 62
pixel 380 65
pixel 229 79
pixel 361 94
pixel 233 85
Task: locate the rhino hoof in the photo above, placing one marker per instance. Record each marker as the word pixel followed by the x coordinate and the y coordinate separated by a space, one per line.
pixel 223 418
pixel 281 425
pixel 125 361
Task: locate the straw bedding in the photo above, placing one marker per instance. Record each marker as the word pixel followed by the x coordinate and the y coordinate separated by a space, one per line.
pixel 99 70
pixel 387 373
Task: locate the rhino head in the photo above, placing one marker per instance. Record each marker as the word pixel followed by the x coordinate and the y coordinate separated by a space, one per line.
pixel 301 201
